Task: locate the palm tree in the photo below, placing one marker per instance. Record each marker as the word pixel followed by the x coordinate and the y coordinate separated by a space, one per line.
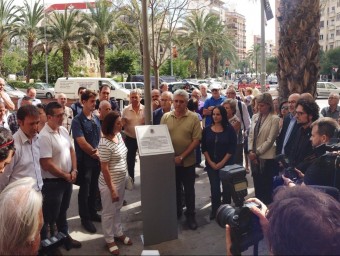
pixel 200 26
pixel 298 54
pixel 102 19
pixel 28 28
pixel 253 54
pixel 67 31
pixel 8 18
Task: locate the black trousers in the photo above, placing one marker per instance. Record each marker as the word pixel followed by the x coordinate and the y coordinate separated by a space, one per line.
pixel 263 181
pixel 89 170
pixel 57 195
pixel 131 144
pixel 185 176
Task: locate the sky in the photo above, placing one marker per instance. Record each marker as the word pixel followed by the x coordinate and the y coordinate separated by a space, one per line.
pixel 249 8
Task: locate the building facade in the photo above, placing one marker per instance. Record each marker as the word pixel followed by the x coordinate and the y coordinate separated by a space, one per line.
pixel 236 24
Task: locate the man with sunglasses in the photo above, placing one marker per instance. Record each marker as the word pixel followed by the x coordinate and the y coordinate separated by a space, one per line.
pixel 59 170
pixel 215 100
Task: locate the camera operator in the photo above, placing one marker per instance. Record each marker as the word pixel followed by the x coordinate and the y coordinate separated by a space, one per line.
pixel 319 171
pixel 292 226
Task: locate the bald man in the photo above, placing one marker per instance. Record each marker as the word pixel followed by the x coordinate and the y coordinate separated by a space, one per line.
pixel 289 127
pixel 333 110
pixel 4 97
pixel 104 109
pixel 68 112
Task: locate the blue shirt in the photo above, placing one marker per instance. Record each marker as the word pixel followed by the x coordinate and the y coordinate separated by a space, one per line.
pixel 157 116
pixel 87 128
pixel 212 102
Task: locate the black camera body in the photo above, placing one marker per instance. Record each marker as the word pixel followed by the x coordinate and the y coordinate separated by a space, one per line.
pixel 288 171
pixel 244 226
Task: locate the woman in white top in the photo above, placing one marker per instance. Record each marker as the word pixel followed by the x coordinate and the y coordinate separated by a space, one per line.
pixel 112 151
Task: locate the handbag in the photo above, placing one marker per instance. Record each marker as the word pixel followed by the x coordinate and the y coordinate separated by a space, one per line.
pixel 128 183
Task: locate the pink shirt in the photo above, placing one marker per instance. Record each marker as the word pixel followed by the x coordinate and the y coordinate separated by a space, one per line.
pixel 132 119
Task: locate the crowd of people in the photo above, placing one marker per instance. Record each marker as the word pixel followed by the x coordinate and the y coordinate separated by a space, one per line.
pixel 44 149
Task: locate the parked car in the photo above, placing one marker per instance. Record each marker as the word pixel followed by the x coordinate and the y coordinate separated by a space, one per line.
pixel 323 89
pixel 44 90
pixel 180 85
pixel 14 92
pixel 133 85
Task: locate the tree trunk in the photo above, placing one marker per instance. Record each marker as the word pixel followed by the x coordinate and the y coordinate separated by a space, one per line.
pixel 199 61
pixel 66 61
pixel 30 59
pixel 1 55
pixel 101 50
pixel 156 72
pixel 298 54
pixel 206 65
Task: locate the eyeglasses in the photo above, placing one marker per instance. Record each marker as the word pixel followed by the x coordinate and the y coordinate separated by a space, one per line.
pixel 231 92
pixel 214 90
pixel 284 108
pixel 298 113
pixel 292 102
pixel 164 100
pixel 332 98
pixel 179 101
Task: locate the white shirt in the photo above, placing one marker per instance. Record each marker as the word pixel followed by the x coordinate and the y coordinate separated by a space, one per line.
pixel 25 162
pixel 34 102
pixel 246 117
pixel 55 145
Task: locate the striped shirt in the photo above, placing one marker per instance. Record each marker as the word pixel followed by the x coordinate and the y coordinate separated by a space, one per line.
pixel 115 154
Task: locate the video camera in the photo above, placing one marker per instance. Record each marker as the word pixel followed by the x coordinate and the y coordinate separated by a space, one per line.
pixel 288 171
pixel 245 227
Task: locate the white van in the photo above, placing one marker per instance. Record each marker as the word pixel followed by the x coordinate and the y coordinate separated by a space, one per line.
pixel 69 86
pixel 133 85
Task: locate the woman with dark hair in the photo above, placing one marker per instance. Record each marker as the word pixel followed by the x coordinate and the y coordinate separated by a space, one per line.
pixel 283 112
pixel 112 152
pixel 7 148
pixel 218 146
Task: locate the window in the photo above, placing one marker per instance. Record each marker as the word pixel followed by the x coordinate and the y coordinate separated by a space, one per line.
pixel 338 16
pixel 319 85
pixel 322 23
pixel 332 36
pixel 127 86
pixel 321 37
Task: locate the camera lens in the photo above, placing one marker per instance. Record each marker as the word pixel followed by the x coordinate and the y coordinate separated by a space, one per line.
pixel 224 215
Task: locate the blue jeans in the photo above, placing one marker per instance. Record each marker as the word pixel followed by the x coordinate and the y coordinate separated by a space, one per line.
pixel 215 189
pixel 57 195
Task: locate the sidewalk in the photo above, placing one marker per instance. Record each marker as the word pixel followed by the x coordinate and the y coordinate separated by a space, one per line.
pixel 208 239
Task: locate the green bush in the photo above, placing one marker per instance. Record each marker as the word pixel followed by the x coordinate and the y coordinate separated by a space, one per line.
pixel 18 84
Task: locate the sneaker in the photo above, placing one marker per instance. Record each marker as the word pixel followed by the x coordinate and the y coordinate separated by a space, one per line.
pixel 124 203
pixel 70 243
pixel 88 225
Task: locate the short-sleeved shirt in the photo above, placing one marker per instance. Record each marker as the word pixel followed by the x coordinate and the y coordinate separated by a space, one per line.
pixel 55 145
pixel 68 116
pixel 132 119
pixel 212 102
pixel 182 132
pixel 326 112
pixel 115 155
pixel 87 128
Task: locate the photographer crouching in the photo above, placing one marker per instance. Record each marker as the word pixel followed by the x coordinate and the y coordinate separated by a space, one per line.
pixel 322 170
pixel 293 226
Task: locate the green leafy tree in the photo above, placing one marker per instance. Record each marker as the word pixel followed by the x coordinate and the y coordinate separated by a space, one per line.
pixel 201 30
pixel 254 54
pixel 13 61
pixel 271 65
pixel 180 68
pixel 65 32
pixel 28 28
pixel 101 19
pixel 8 19
pixel 121 62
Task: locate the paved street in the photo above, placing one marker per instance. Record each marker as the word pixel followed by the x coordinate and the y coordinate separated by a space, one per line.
pixel 208 239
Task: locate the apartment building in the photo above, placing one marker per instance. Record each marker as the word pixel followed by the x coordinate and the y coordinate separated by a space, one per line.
pixel 236 24
pixel 330 25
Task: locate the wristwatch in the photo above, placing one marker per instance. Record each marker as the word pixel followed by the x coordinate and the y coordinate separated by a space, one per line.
pixel 180 157
pixel 74 170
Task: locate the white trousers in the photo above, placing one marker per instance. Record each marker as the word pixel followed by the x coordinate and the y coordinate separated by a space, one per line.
pixel 111 221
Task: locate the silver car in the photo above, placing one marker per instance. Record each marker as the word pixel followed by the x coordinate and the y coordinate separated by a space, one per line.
pixel 325 88
pixel 44 90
